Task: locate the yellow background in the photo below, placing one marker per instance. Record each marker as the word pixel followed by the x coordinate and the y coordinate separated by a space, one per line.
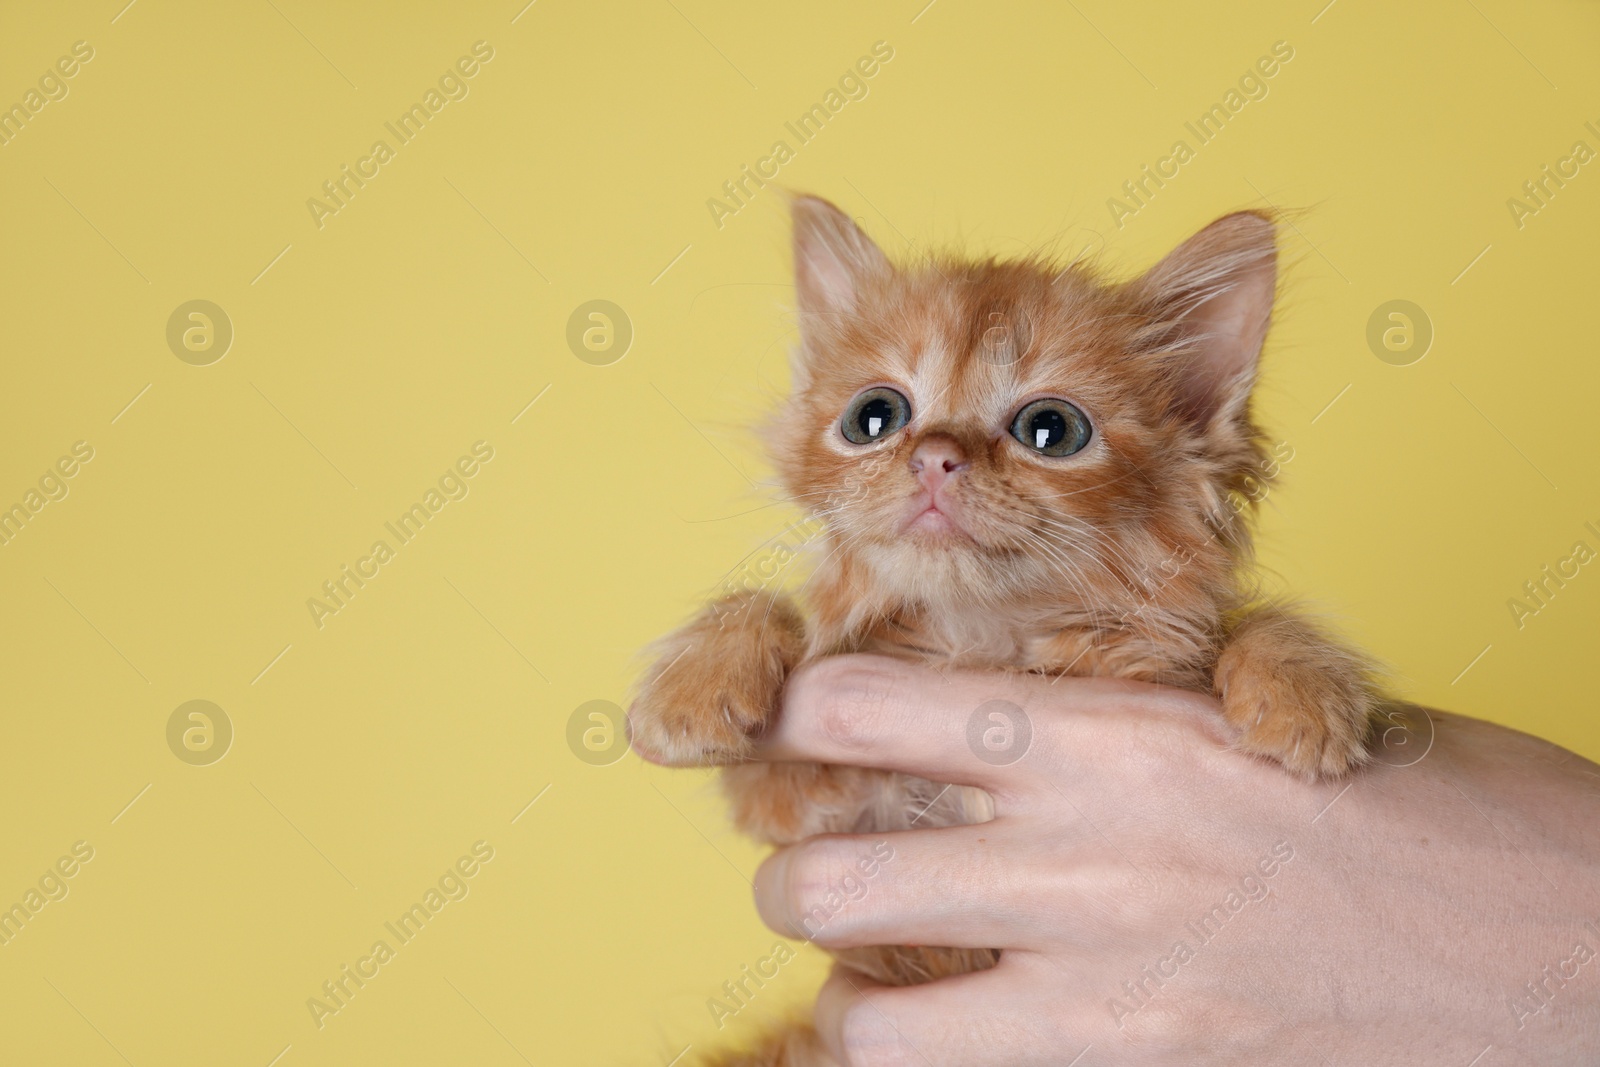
pixel 428 313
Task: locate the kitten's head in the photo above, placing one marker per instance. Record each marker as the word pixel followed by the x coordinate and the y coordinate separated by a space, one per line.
pixel 980 433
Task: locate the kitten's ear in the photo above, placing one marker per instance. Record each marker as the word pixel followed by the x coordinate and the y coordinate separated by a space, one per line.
pixel 1208 305
pixel 833 259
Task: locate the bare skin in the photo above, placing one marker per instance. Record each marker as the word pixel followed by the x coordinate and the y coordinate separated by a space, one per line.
pixel 1409 916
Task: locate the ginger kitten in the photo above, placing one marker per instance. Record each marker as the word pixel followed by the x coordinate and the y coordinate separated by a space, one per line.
pixel 1018 467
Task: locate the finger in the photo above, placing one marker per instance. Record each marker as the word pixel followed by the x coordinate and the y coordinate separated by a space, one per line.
pixel 1002 732
pixel 963 887
pixel 989 1017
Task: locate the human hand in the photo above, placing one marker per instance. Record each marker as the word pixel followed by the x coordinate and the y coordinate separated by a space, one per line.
pixel 1161 899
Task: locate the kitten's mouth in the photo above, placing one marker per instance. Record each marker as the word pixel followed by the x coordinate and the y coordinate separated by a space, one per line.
pixel 929 519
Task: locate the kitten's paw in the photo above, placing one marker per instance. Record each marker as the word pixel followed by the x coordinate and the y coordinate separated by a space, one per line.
pixel 717 682
pixel 1299 718
pixel 1296 697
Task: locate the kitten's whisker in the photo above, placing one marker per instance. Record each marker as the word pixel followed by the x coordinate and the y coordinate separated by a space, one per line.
pixel 1095 609
pixel 1085 489
pixel 818 569
pixel 1070 572
pixel 1057 531
pixel 725 518
pixel 1100 536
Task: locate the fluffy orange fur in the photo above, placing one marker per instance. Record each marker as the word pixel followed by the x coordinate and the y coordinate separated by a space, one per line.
pixel 1129 557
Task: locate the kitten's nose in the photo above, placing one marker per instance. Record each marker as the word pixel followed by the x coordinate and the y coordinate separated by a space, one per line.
pixel 936 458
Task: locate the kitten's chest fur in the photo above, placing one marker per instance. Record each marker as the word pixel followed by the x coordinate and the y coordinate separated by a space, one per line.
pixel 1143 646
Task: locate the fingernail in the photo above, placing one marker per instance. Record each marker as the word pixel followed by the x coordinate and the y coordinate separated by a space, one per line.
pixel 770 879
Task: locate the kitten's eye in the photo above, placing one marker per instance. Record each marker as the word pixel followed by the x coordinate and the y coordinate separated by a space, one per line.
pixel 1051 427
pixel 874 415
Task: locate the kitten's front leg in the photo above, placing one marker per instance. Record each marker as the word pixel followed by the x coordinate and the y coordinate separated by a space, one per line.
pixel 1295 694
pixel 718 681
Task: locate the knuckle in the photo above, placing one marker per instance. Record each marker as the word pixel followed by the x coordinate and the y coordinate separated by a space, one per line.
pixel 1119 897
pixel 1171 1024
pixel 1157 1026
pixel 867 1038
pixel 851 697
pixel 1154 747
pixel 1113 891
